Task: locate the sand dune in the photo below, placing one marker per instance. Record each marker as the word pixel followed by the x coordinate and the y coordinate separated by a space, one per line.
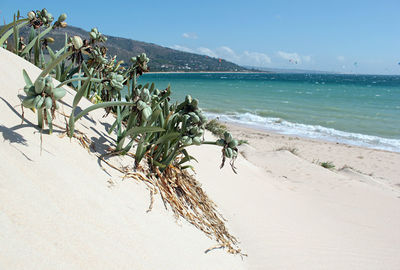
pixel 63 209
pixel 60 210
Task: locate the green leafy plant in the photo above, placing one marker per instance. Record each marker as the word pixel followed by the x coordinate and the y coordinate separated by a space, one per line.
pixel 327 164
pixel 242 141
pixel 146 120
pixel 7 30
pixel 42 96
pixel 36 41
pixel 216 127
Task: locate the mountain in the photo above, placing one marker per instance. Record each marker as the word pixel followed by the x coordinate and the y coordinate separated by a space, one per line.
pixel 161 58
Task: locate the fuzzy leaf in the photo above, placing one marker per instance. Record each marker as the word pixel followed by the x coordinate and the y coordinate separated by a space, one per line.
pixel 9 32
pixel 32 43
pixel 168 137
pixel 8 26
pixel 102 105
pixel 138 130
pixel 28 80
pixel 81 93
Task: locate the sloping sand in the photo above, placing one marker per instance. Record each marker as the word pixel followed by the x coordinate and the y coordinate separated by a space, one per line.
pixel 60 210
pixel 63 209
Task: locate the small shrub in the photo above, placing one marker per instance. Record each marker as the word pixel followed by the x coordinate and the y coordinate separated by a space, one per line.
pixel 216 127
pixel 327 164
pixel 146 118
pixel 243 142
pixel 291 149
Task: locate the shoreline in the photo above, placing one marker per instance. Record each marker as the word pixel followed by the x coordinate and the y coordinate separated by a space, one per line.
pixel 207 72
pixel 316 132
pixel 380 165
pixel 268 72
pixel 321 139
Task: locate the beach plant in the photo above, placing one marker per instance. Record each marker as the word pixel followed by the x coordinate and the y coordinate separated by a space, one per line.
pixel 42 96
pixel 162 130
pixel 327 164
pixel 292 149
pixel 8 29
pixel 243 141
pixel 36 40
pixel 147 123
pixel 216 127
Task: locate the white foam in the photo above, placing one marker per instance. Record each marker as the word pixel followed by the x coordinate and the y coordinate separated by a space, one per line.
pixel 309 131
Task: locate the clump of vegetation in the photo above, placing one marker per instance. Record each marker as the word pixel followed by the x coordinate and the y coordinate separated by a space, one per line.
pixel 327 164
pixel 241 141
pixel 36 39
pixel 216 127
pixel 159 131
pixel 291 149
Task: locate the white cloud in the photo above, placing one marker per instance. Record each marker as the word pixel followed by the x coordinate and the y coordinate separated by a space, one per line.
pixel 190 35
pixel 206 51
pixel 306 58
pixel 340 58
pixel 294 57
pixel 245 58
pixel 182 48
pixel 255 59
pixel 227 53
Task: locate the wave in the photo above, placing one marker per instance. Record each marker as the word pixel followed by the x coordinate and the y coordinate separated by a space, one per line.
pixel 309 131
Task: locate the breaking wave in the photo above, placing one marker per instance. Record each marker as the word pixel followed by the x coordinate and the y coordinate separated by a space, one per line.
pixel 309 131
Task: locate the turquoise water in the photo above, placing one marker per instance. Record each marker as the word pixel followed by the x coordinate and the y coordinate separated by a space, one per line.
pixel 357 109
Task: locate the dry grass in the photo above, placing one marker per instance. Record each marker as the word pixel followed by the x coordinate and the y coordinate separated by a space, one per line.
pixel 181 191
pixel 291 149
pixel 184 195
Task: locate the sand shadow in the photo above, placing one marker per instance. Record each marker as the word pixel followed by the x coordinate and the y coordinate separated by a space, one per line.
pixel 101 144
pixel 64 103
pixel 13 137
pixel 78 110
pixel 19 115
pixel 106 125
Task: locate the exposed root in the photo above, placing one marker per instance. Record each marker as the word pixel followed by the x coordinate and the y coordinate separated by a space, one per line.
pixel 182 192
pixel 151 201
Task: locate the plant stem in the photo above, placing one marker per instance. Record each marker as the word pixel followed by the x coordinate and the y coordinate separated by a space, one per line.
pixel 40 118
pixel 78 79
pixel 209 142
pixel 54 63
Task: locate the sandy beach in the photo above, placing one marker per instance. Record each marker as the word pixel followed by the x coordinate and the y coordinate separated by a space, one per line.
pixel 295 214
pixel 379 166
pixel 62 208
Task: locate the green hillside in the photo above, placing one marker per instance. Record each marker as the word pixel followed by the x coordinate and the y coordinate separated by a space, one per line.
pixel 161 58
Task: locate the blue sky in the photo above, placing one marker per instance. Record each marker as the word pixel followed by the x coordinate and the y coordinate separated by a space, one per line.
pixel 341 36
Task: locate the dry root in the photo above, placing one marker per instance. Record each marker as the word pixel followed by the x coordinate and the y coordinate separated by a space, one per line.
pixel 183 193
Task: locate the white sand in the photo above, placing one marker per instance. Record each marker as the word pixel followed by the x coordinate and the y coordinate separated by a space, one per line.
pixel 61 210
pixel 58 209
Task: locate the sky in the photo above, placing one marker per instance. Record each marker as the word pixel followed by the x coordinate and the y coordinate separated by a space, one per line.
pixel 339 36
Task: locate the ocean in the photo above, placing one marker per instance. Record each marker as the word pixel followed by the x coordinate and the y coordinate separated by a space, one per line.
pixel 360 110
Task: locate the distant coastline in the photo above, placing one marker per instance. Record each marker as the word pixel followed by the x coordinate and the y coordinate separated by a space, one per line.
pixel 210 72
